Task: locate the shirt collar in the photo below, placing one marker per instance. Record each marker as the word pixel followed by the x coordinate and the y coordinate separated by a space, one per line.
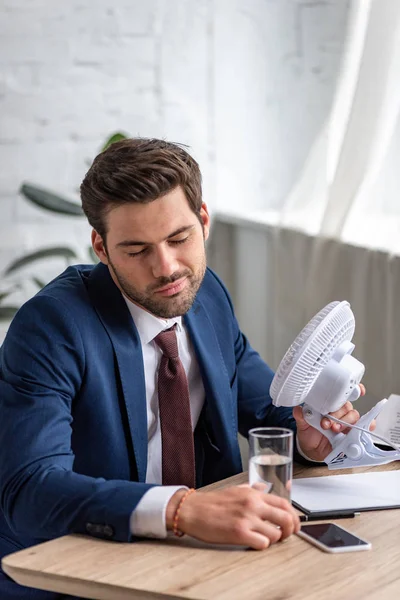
pixel 148 325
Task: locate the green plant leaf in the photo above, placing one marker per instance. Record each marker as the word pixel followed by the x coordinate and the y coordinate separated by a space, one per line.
pixel 7 312
pixel 62 252
pixel 4 295
pixel 115 137
pixel 92 255
pixel 50 201
pixel 39 282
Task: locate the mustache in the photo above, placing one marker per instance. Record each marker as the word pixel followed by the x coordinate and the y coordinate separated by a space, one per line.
pixel 163 281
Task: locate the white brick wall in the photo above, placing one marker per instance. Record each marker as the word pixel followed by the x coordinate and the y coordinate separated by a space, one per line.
pixel 246 83
pixel 277 63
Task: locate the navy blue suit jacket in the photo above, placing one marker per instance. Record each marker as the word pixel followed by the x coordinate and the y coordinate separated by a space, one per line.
pixel 73 423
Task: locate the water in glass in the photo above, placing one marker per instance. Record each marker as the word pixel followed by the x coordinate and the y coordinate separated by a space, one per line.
pixel 273 470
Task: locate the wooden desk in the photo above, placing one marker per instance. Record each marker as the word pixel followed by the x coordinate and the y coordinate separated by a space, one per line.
pixel 185 568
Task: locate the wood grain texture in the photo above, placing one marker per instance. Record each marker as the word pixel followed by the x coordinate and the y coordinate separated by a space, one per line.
pixel 186 568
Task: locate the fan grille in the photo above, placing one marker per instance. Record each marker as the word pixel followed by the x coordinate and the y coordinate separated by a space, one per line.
pixel 310 352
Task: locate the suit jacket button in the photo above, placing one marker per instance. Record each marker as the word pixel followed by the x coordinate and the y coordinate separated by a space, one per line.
pixel 108 531
pixel 92 528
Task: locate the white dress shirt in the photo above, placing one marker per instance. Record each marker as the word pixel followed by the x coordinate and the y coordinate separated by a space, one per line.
pixel 148 518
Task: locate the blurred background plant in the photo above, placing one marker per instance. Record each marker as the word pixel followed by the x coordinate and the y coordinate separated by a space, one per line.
pixel 14 277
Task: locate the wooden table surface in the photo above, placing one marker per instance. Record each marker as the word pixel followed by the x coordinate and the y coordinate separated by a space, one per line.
pixel 184 568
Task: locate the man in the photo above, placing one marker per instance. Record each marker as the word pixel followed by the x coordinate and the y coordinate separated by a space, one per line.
pixel 118 378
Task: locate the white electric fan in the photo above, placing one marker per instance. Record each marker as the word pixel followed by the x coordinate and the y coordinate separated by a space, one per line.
pixel 319 371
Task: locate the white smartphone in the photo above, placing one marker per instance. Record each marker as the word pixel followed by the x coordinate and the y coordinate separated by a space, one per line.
pixel 332 538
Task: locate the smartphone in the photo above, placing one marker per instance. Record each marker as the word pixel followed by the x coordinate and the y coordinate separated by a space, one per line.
pixel 332 538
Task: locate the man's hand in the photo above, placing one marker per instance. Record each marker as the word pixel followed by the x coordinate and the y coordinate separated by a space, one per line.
pixel 312 442
pixel 239 515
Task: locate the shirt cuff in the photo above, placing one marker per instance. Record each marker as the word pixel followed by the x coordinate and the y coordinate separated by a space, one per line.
pixel 300 451
pixel 148 518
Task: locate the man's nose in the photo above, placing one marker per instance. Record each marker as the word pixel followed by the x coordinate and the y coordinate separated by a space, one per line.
pixel 164 262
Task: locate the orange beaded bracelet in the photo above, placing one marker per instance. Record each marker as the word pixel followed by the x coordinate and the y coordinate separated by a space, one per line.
pixel 176 531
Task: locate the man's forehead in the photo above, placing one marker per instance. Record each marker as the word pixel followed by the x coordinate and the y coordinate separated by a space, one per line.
pixel 157 219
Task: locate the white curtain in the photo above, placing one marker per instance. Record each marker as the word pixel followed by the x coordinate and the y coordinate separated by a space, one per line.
pixel 348 159
pixel 339 232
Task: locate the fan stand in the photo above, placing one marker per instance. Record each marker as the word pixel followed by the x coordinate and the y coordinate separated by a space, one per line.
pixel 356 448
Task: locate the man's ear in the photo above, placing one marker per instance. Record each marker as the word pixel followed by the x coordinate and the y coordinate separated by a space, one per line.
pixel 205 217
pixel 98 247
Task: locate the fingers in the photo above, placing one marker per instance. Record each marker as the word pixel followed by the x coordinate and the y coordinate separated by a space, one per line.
pixel 260 487
pixel 346 413
pixel 276 525
pixel 278 502
pixel 256 540
pixel 263 536
pixel 343 411
pixel 351 417
pixel 275 511
pixel 286 521
pixel 269 531
pixel 280 512
pixel 300 421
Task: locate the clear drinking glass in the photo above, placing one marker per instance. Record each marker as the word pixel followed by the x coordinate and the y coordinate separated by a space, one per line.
pixel 271 459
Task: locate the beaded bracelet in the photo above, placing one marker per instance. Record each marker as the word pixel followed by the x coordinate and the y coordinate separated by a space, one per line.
pixel 176 531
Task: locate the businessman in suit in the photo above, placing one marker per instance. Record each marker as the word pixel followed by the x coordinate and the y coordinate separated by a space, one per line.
pixel 124 384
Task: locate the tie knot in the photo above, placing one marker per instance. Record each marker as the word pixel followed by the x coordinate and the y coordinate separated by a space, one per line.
pixel 167 342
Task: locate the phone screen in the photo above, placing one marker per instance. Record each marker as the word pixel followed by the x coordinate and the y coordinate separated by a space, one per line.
pixel 332 535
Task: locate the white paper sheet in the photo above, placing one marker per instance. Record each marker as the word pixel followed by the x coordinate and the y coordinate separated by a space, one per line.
pixel 360 491
pixel 388 421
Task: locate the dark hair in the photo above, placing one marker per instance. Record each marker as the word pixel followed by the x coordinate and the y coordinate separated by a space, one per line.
pixel 138 170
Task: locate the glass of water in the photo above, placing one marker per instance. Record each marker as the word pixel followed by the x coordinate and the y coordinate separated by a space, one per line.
pixel 271 459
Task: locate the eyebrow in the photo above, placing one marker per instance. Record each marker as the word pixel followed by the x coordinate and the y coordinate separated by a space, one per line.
pixel 126 243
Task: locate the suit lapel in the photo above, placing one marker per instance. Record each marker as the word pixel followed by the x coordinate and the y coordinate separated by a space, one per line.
pixel 214 374
pixel 114 314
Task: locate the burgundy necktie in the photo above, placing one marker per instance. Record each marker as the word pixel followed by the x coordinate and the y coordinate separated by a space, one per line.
pixel 178 466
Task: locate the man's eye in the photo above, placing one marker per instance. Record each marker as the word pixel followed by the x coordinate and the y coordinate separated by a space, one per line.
pixel 138 253
pixel 176 242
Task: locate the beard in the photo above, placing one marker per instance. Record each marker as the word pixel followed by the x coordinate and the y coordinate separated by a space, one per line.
pixel 164 307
